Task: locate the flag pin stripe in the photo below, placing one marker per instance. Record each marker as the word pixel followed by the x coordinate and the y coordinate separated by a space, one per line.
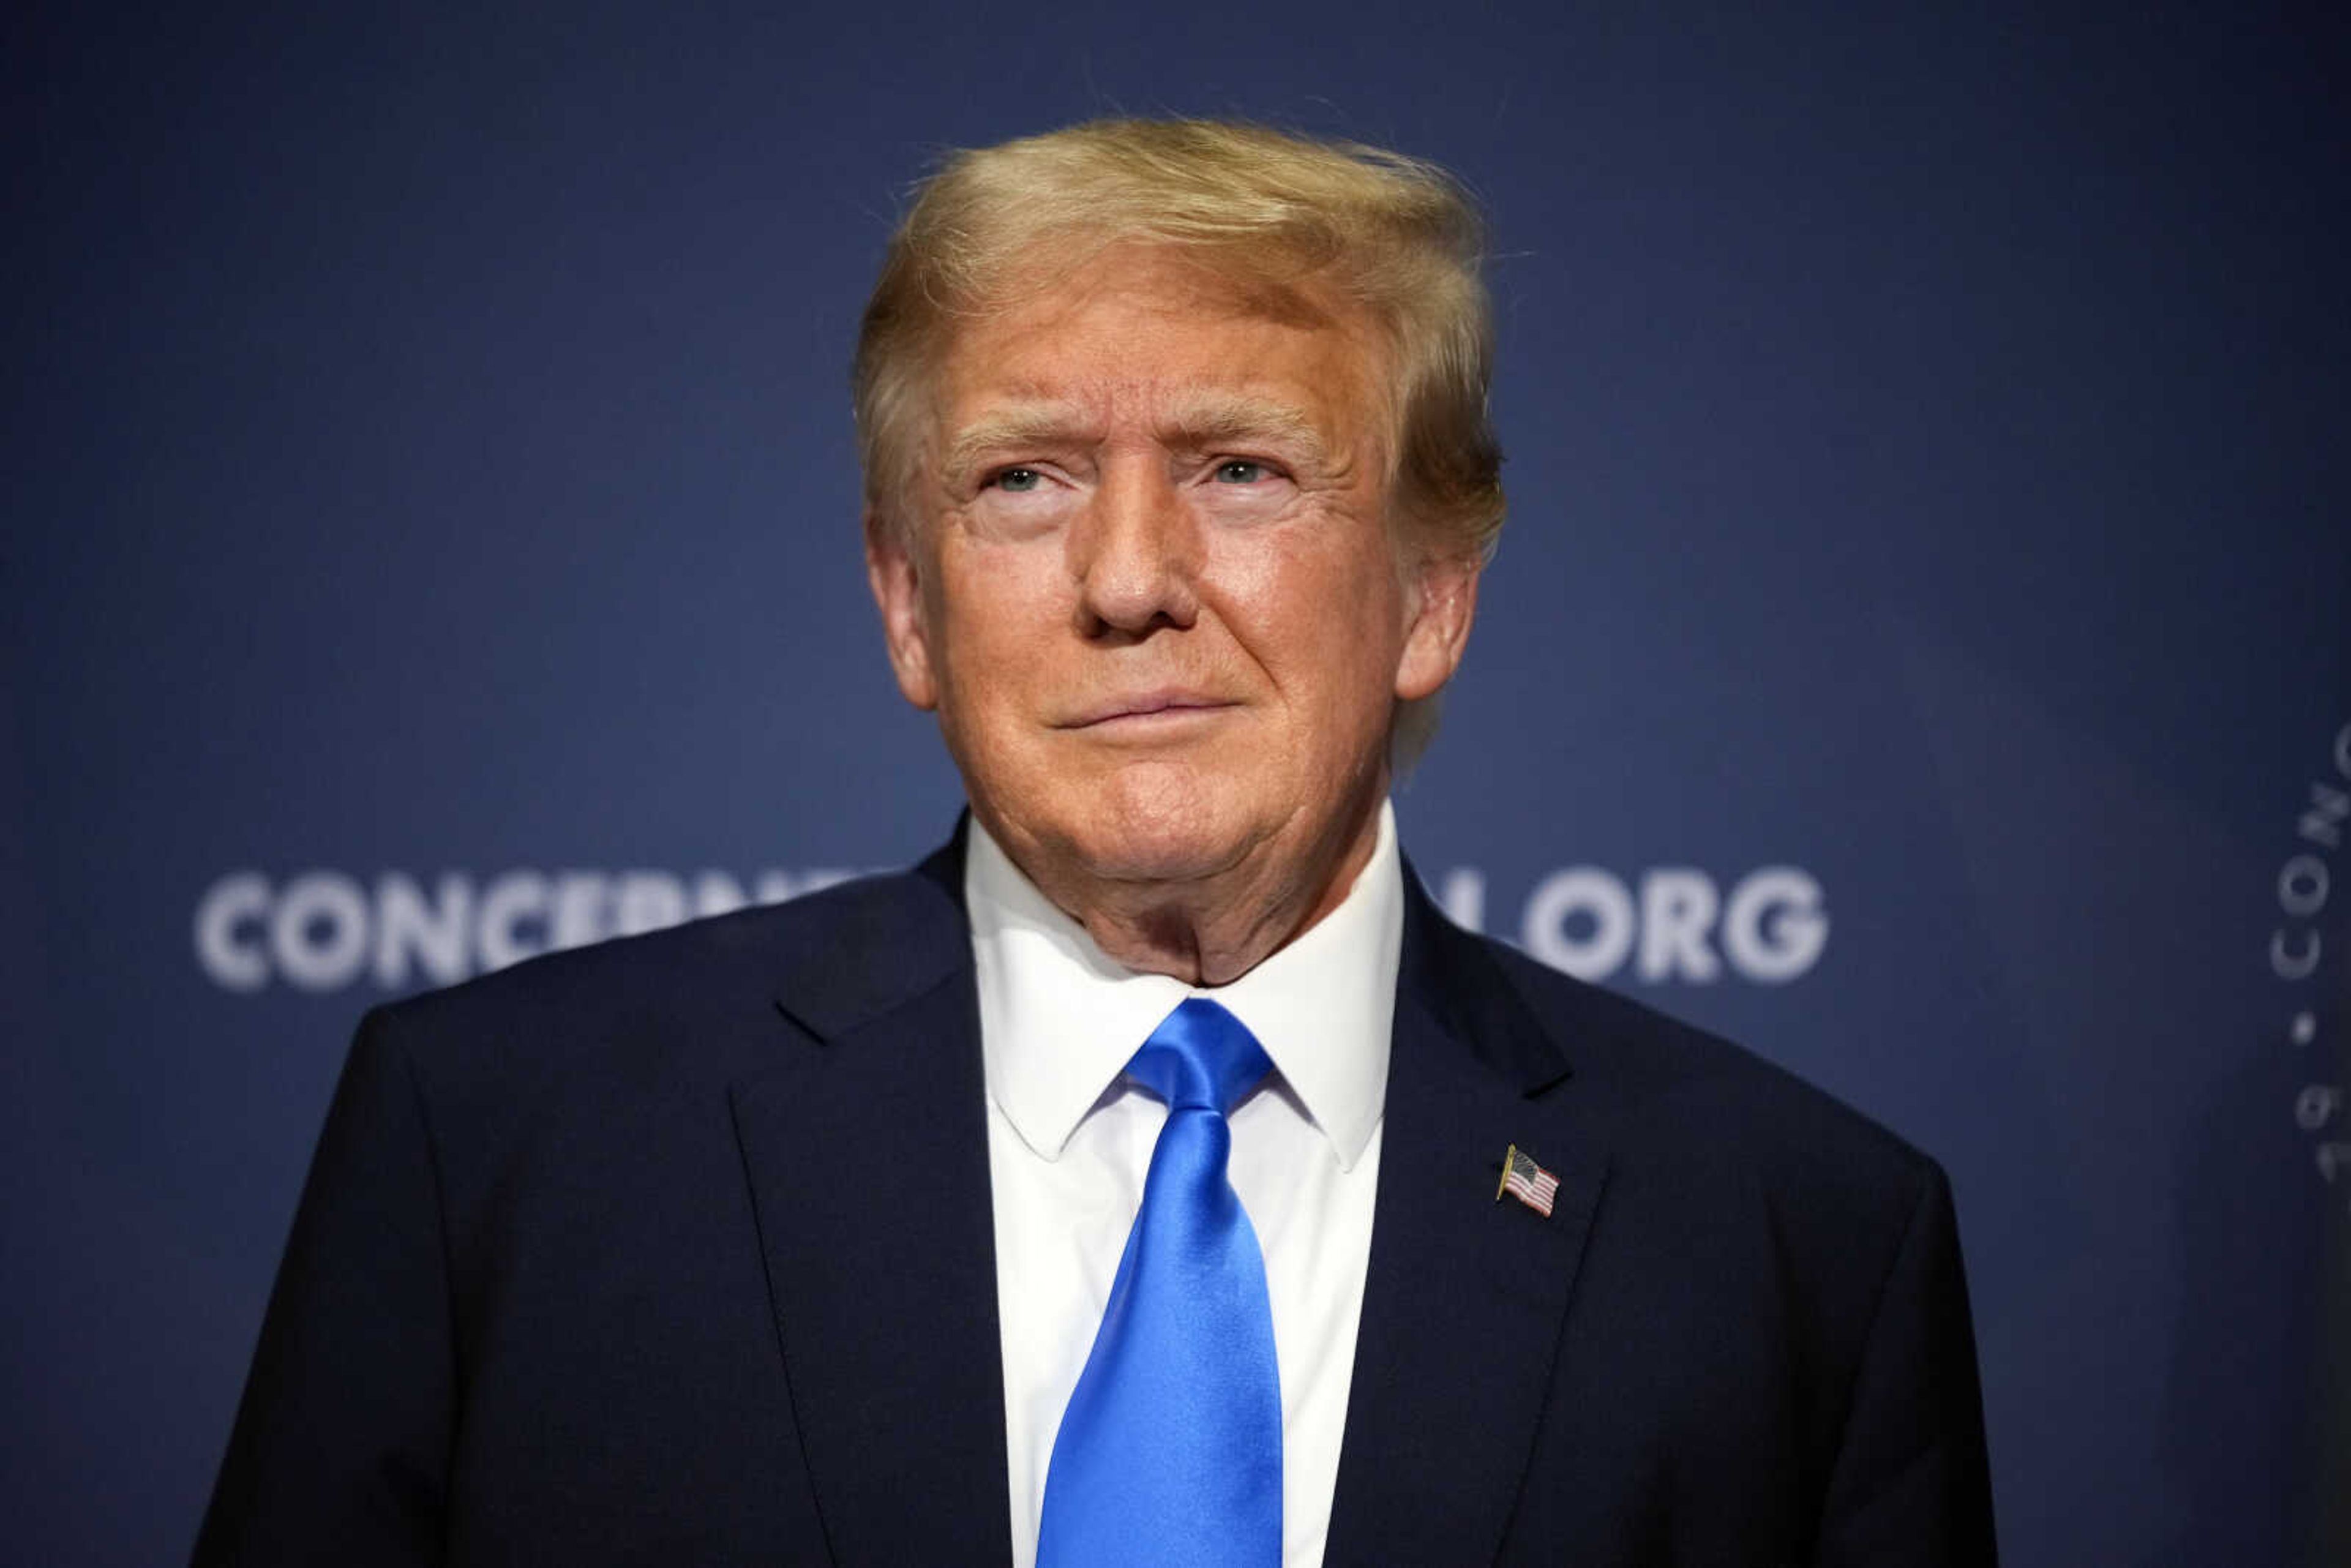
pixel 1527 1181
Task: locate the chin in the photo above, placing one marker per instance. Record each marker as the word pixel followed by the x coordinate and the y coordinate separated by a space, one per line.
pixel 1158 822
pixel 1155 858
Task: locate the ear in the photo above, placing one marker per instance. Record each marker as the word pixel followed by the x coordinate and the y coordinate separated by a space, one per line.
pixel 1445 603
pixel 895 574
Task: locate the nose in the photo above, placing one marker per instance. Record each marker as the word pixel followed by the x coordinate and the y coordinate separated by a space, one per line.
pixel 1135 554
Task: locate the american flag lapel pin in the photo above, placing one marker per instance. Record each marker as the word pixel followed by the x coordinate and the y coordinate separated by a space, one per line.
pixel 1527 1181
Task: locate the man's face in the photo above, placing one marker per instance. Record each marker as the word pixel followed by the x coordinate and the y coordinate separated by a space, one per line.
pixel 1155 593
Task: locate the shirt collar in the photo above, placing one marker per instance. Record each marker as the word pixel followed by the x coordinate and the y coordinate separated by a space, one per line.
pixel 1059 1018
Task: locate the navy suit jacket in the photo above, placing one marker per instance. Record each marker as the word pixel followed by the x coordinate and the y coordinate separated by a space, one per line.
pixel 678 1250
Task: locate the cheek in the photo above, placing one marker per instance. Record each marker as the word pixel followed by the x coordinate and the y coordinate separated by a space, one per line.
pixel 997 608
pixel 1364 598
pixel 1333 623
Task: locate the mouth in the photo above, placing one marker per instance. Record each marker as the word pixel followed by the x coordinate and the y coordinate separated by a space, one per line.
pixel 1142 711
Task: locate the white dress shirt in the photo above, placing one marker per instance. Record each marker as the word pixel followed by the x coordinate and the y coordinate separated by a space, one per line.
pixel 1070 1141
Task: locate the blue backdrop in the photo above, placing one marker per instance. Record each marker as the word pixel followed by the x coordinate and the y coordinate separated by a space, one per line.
pixel 1919 649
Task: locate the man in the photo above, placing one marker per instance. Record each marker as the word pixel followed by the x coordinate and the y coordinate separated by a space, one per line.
pixel 1125 1185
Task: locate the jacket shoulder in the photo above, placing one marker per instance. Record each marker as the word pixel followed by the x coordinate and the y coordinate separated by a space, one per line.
pixel 854 946
pixel 1708 1099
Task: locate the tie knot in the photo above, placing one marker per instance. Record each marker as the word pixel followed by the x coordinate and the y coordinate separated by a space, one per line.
pixel 1200 1058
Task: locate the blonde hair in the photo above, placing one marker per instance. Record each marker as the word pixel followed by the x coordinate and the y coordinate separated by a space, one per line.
pixel 1393 234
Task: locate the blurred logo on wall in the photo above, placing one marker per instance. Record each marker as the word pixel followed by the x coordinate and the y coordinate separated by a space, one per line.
pixel 396 931
pixel 327 930
pixel 1667 924
pixel 2302 961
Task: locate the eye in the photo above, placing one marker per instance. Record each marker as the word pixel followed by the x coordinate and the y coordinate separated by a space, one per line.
pixel 1241 471
pixel 1016 479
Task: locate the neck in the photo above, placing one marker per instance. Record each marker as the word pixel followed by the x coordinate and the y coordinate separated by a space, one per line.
pixel 1213 929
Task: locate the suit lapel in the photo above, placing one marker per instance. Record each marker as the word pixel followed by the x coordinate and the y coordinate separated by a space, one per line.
pixel 1465 1297
pixel 867 1158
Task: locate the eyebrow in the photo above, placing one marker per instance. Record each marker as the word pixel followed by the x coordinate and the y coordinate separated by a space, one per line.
pixel 1222 419
pixel 1199 421
pixel 1018 427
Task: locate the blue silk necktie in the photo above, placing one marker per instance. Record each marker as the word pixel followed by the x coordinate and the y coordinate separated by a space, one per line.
pixel 1169 1455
